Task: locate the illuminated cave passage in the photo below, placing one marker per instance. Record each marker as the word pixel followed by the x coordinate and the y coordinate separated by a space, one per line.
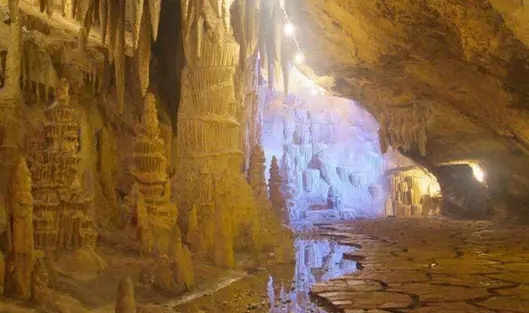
pixel 330 160
pixel 264 156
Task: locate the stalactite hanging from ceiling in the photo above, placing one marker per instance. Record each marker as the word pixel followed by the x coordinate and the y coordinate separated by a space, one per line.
pixel 142 56
pixel 103 14
pixel 119 56
pixel 275 49
pixel 155 7
pixel 404 126
pixel 111 15
pixel 137 11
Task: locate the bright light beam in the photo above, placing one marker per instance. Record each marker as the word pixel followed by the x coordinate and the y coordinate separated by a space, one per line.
pixel 299 58
pixel 478 172
pixel 289 29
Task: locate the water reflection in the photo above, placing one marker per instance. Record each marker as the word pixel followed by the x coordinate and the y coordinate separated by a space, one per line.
pixel 316 260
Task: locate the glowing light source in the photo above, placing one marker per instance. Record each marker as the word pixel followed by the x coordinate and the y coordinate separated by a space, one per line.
pixel 299 58
pixel 314 91
pixel 289 29
pixel 478 172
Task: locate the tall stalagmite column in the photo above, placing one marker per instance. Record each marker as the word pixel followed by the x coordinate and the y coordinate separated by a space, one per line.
pixel 21 249
pixel 208 126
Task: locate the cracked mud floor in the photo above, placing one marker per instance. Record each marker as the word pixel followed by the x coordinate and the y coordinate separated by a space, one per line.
pixel 430 265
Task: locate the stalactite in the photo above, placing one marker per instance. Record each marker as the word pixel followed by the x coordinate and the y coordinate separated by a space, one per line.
pixel 112 25
pixel 142 56
pixel 155 7
pixel 119 56
pixel 278 24
pixel 103 11
pixel 87 25
pixel 137 12
pixel 13 64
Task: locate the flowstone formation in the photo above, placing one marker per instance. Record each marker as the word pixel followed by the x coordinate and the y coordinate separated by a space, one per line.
pixel 412 192
pixel 63 213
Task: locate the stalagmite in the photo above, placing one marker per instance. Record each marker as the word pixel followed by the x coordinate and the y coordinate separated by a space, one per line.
pixel 142 57
pixel 40 291
pixel 125 302
pixel 155 7
pixel 22 253
pixel 256 177
pixel 119 56
pixel 157 217
pixel 183 277
pixel 276 196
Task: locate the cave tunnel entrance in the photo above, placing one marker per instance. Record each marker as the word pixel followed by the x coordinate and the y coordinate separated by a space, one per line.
pixel 330 159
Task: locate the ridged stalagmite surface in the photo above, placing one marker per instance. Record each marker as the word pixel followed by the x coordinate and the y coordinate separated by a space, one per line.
pixel 157 216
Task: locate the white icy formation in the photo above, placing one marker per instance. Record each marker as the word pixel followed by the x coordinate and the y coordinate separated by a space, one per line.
pixel 324 141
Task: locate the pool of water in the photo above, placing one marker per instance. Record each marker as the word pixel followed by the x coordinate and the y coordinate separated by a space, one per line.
pixel 280 288
pixel 316 260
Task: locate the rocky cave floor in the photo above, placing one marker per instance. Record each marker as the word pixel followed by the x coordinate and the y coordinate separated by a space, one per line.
pixel 431 265
pixel 403 265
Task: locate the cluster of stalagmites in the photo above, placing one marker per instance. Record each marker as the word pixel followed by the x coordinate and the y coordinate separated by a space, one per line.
pixel 403 127
pixel 408 196
pixel 22 273
pixel 150 214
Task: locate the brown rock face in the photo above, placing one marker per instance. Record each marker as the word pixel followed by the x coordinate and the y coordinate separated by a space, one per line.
pixel 464 61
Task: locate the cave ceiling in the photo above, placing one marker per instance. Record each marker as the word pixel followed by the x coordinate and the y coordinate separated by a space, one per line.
pixel 467 61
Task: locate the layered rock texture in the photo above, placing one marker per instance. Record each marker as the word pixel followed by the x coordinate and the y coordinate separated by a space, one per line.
pixel 463 63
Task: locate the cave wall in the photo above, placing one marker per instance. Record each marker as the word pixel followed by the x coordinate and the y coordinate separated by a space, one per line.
pixel 465 62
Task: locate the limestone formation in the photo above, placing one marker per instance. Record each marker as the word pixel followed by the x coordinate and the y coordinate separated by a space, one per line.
pixel 180 258
pixel 209 136
pixel 63 216
pixel 13 64
pixel 125 302
pixel 277 200
pixel 412 192
pixel 21 250
pixel 334 199
pixel 223 254
pixel 256 170
pixel 2 273
pixel 403 126
pixel 288 184
pixel 155 217
pixel 39 283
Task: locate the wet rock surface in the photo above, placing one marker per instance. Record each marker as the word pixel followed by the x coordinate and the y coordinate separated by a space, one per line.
pixel 430 265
